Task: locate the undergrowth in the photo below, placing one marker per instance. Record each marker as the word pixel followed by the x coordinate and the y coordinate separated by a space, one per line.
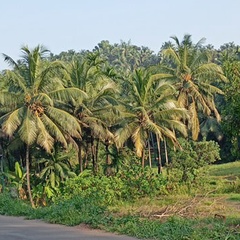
pixel 99 202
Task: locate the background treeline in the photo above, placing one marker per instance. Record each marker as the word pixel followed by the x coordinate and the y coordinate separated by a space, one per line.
pixel 115 110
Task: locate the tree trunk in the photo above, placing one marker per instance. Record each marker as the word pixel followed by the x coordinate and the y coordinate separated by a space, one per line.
pixel 88 154
pixel 159 155
pixel 97 148
pixel 166 152
pixel 28 177
pixel 149 154
pixel 93 151
pixel 80 161
pixel 108 160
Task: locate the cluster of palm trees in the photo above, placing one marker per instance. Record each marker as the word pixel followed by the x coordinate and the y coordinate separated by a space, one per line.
pixel 81 103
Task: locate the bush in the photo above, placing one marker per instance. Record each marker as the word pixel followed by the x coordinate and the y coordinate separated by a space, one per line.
pixel 73 212
pixel 194 155
pixel 13 206
pixel 129 184
pixel 141 182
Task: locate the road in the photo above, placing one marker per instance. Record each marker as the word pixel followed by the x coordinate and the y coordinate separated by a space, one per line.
pixel 17 228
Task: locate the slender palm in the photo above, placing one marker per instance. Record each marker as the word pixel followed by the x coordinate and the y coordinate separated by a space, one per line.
pixel 193 75
pixel 31 112
pixel 150 110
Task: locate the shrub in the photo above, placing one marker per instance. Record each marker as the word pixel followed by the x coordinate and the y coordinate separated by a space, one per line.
pixel 13 206
pixel 129 184
pixel 194 155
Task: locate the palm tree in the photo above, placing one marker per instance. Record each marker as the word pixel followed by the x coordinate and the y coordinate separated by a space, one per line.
pixel 31 111
pixel 151 109
pixel 92 111
pixel 193 75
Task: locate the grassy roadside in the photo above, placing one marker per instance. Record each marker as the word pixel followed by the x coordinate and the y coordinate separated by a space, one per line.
pixel 200 217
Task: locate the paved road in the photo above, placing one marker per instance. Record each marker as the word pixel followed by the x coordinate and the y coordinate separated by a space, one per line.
pixel 17 228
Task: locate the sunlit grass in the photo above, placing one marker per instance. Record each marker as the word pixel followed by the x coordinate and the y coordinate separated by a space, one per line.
pixel 227 169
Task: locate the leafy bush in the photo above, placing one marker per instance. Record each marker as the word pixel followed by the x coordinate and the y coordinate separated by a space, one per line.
pixel 13 206
pixel 129 184
pixel 193 156
pixel 104 189
pixel 73 212
pixel 141 182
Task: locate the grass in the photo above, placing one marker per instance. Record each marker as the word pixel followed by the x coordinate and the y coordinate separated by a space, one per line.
pixel 78 210
pixel 226 170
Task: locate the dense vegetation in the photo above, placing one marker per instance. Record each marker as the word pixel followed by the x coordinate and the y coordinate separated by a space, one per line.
pixel 91 131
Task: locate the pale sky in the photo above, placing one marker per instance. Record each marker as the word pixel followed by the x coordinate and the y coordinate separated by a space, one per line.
pixel 82 24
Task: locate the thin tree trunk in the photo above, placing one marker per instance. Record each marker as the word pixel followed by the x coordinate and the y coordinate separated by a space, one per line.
pixel 88 155
pixel 97 149
pixel 159 155
pixel 96 152
pixel 93 151
pixel 108 159
pixel 166 152
pixel 28 177
pixel 80 160
pixel 149 154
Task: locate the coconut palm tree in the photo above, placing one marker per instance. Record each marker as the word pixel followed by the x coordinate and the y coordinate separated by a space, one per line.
pixel 150 109
pixel 193 75
pixel 94 110
pixel 32 103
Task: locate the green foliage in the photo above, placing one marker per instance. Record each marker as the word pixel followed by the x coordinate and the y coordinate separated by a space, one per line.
pixel 129 184
pixel 174 228
pixel 13 206
pixel 141 182
pixel 16 178
pixel 231 107
pixel 225 178
pixel 193 156
pixel 104 189
pixel 73 211
pixel 226 169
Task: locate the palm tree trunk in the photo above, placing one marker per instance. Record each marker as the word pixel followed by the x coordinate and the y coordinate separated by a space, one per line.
pixel 149 154
pixel 28 177
pixel 166 152
pixel 97 148
pixel 108 159
pixel 80 161
pixel 93 151
pixel 159 155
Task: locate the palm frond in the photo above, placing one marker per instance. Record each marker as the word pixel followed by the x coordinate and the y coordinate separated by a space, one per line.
pixel 171 54
pixel 11 122
pixel 182 99
pixel 194 122
pixel 15 81
pixel 54 130
pixel 124 133
pixel 210 69
pixel 67 94
pixel 9 60
pixel 44 99
pixel 139 141
pixel 65 121
pixel 9 99
pixel 28 130
pixel 44 139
